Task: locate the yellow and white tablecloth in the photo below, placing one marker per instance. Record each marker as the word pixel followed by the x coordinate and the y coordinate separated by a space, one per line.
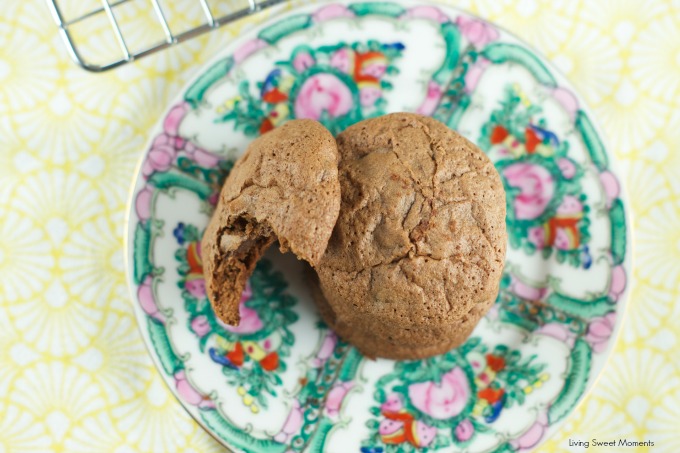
pixel 74 373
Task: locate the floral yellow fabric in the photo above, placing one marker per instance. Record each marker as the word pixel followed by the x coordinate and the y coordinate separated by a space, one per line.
pixel 74 373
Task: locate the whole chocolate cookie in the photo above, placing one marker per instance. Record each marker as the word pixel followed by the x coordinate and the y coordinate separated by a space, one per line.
pixel 417 253
pixel 285 187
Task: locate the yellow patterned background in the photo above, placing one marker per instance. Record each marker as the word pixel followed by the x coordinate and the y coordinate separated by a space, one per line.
pixel 74 373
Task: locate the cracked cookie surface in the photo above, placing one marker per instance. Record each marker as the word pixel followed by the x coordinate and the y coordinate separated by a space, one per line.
pixel 285 187
pixel 418 249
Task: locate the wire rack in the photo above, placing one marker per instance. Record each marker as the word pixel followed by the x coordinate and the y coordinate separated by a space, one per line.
pixel 106 11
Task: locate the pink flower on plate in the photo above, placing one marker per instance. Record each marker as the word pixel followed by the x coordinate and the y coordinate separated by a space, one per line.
pixel 190 394
pixel 611 186
pixel 303 61
pixel 375 70
pixel 536 186
pixel 444 400
pixel 201 156
pixel 200 325
pixel 434 94
pixel 326 350
pixel 425 433
pixel 160 157
pixel 143 203
pixel 332 11
pixel 618 283
pixel 474 74
pixel 533 435
pixel 323 93
pixel 600 330
pixel 166 146
pixel 464 430
pixel 341 60
pixel 422 434
pixel 558 331
pixel 525 291
pixel 147 300
pixel 368 95
pixel 570 206
pixel 478 32
pixel 248 48
pixel 431 13
pixel 564 239
pixel 567 167
pixel 393 403
pixel 335 398
pixel 292 424
pixel 388 426
pixel 195 286
pixel 174 118
pixel 536 235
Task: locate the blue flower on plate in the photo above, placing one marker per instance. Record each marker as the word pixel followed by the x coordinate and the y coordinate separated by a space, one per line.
pixel 178 232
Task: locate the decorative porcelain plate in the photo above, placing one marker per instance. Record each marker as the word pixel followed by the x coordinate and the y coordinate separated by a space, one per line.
pixel 281 381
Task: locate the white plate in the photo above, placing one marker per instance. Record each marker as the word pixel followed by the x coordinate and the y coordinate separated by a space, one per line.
pixel 282 381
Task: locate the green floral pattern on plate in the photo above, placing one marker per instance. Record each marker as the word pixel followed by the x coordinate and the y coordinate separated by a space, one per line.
pixel 281 381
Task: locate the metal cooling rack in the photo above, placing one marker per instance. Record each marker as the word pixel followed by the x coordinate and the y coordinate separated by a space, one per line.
pixel 108 8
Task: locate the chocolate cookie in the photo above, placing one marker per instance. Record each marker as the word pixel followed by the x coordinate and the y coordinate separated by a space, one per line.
pixel 416 255
pixel 285 187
